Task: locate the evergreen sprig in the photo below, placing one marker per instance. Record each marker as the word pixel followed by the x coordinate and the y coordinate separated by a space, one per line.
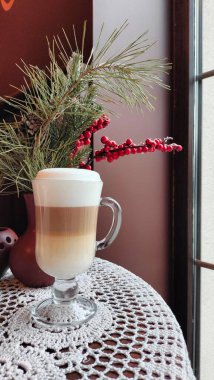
pixel 62 100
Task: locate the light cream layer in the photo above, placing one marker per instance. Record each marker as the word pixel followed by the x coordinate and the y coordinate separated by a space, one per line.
pixel 65 256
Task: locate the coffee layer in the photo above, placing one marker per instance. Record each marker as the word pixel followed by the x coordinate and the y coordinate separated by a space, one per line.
pixel 66 220
pixel 65 239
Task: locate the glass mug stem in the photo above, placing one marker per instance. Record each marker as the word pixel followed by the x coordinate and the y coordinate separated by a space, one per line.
pixel 63 291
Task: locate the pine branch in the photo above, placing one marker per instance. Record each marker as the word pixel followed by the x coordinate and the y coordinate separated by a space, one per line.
pixel 118 74
pixel 64 99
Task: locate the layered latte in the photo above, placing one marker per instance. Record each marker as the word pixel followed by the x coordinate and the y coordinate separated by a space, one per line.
pixel 66 221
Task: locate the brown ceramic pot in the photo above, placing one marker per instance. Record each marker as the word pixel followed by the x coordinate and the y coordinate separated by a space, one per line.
pixel 22 259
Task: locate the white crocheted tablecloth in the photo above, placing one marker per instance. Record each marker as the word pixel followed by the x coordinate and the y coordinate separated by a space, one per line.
pixel 133 335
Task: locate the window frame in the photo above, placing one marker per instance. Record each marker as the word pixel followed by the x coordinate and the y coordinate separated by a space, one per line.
pixel 183 271
pixel 186 172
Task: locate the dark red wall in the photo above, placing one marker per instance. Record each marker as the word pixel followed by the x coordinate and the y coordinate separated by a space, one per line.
pixel 23 31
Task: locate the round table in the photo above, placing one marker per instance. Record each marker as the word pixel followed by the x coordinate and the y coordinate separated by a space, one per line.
pixel 134 334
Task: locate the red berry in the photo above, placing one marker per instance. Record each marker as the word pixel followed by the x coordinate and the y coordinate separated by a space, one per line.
pixel 121 153
pixel 105 123
pixel 87 134
pixel 78 143
pixel 110 159
pixel 87 141
pixel 113 144
pixel 115 155
pixel 104 139
pixel 133 150
pixel 169 148
pixel 159 147
pixel 106 120
pixel 179 148
pixel 98 158
pixel 145 149
pixel 88 167
pixel 149 141
pixel 127 151
pixel 151 149
pixel 129 142
pixel 108 143
pixel 164 148
pixel 139 149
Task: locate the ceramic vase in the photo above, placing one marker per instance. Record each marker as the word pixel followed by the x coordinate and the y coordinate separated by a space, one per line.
pixel 22 258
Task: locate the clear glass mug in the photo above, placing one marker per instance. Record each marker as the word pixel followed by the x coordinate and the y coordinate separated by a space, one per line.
pixel 66 209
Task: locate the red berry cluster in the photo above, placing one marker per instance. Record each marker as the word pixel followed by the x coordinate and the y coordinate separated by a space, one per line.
pixel 112 151
pixel 85 138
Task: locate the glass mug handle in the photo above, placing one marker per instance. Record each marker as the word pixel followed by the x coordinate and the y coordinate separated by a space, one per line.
pixel 116 223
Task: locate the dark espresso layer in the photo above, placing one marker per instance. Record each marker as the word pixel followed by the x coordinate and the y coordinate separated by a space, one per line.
pixel 66 220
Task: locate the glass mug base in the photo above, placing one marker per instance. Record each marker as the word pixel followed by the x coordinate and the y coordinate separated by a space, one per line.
pixel 78 311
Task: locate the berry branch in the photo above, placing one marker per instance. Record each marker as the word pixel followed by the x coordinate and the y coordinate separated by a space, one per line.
pixel 112 151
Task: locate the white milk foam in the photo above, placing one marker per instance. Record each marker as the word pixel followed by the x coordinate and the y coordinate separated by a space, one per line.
pixel 67 187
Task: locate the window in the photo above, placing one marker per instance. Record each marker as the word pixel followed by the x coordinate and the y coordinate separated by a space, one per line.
pixel 204 118
pixel 193 179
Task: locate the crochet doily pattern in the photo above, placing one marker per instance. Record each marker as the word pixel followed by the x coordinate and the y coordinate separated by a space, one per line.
pixel 133 334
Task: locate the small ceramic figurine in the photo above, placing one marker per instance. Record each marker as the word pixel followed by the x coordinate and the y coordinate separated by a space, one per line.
pixel 7 240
